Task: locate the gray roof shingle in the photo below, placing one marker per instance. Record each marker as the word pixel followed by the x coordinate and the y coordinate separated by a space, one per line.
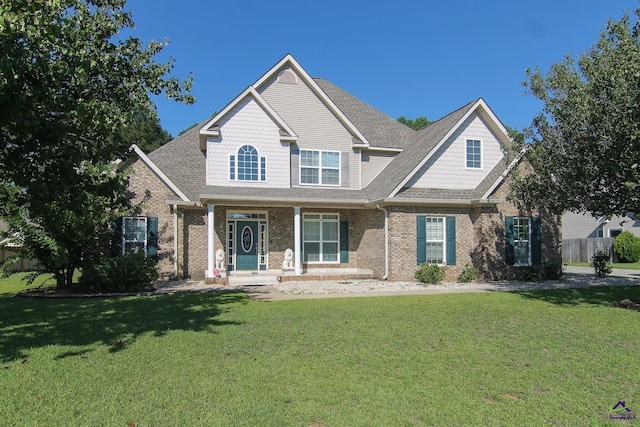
pixel 184 163
pixel 403 163
pixel 379 129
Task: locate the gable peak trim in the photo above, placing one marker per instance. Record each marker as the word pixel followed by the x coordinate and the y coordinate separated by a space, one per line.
pixel 156 170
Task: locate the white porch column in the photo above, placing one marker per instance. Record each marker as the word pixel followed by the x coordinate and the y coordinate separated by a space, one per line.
pixel 210 233
pixel 296 240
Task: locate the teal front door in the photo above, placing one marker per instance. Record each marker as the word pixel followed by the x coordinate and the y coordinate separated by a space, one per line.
pixel 247 245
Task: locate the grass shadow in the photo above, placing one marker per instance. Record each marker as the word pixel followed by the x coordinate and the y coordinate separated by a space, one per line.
pixel 27 323
pixel 595 295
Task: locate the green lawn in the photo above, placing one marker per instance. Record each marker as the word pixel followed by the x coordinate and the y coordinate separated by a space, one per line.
pixel 625 265
pixel 530 359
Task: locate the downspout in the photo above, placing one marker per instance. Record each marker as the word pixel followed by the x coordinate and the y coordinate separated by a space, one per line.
pixel 386 241
pixel 175 243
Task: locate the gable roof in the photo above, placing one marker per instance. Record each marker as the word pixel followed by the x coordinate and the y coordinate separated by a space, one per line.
pixel 379 129
pixel 425 142
pixel 286 133
pixel 183 163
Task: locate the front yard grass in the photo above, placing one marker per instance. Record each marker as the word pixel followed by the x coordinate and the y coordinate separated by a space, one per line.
pixel 560 357
pixel 625 265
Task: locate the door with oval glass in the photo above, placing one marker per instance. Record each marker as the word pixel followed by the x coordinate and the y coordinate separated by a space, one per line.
pixel 247 245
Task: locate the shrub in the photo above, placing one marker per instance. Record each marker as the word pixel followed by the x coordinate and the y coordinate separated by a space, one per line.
pixel 599 262
pixel 129 273
pixel 430 273
pixel 467 274
pixel 627 246
pixel 532 273
pixel 552 271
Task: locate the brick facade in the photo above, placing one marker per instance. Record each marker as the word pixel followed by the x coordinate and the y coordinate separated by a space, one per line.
pixel 480 233
pixel 480 239
pixel 150 195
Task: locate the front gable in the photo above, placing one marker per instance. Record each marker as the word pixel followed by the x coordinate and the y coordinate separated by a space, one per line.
pixel 465 157
pixel 247 144
pixel 464 160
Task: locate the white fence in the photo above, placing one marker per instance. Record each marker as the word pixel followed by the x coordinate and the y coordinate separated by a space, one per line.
pixel 582 250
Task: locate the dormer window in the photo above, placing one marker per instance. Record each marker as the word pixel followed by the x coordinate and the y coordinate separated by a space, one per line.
pixel 474 154
pixel 247 165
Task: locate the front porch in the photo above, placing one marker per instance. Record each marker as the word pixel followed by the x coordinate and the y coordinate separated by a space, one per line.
pixel 270 277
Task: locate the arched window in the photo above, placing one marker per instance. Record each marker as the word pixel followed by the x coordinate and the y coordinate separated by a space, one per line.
pixel 247 163
pixel 247 166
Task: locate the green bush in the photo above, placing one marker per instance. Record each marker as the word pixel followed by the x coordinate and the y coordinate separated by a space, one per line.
pixel 627 246
pixel 552 271
pixel 467 274
pixel 600 264
pixel 430 273
pixel 531 273
pixel 129 273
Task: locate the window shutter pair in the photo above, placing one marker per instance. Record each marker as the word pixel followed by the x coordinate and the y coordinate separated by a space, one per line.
pixel 536 241
pixel 152 237
pixel 421 235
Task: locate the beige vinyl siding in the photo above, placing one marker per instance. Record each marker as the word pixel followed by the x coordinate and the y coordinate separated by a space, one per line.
pixel 315 125
pixel 248 124
pixel 447 167
pixel 584 225
pixel 372 163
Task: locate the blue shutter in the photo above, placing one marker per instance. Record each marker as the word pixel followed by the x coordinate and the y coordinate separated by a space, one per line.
pixel 510 252
pixel 536 241
pixel 116 237
pixel 344 241
pixel 295 164
pixel 152 237
pixel 232 168
pixel 421 238
pixel 451 240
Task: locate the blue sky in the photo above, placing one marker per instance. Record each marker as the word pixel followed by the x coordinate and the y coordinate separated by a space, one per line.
pixel 411 58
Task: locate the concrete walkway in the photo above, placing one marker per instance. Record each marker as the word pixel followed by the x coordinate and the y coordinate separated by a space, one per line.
pixel 575 277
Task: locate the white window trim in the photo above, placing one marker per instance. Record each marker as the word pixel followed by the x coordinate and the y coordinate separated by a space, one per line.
pixel 124 236
pixel 321 241
pixel 466 164
pixel 444 237
pixel 515 240
pixel 319 167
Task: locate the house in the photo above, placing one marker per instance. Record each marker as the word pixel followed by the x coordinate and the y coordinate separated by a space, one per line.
pixel 585 225
pixel 298 178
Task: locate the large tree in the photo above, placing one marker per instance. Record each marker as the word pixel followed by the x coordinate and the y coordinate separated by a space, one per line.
pixel 416 124
pixel 146 131
pixel 71 87
pixel 585 149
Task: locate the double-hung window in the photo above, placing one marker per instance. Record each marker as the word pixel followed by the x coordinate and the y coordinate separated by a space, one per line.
pixel 320 238
pixel 474 154
pixel 522 240
pixel 320 167
pixel 136 234
pixel 435 239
